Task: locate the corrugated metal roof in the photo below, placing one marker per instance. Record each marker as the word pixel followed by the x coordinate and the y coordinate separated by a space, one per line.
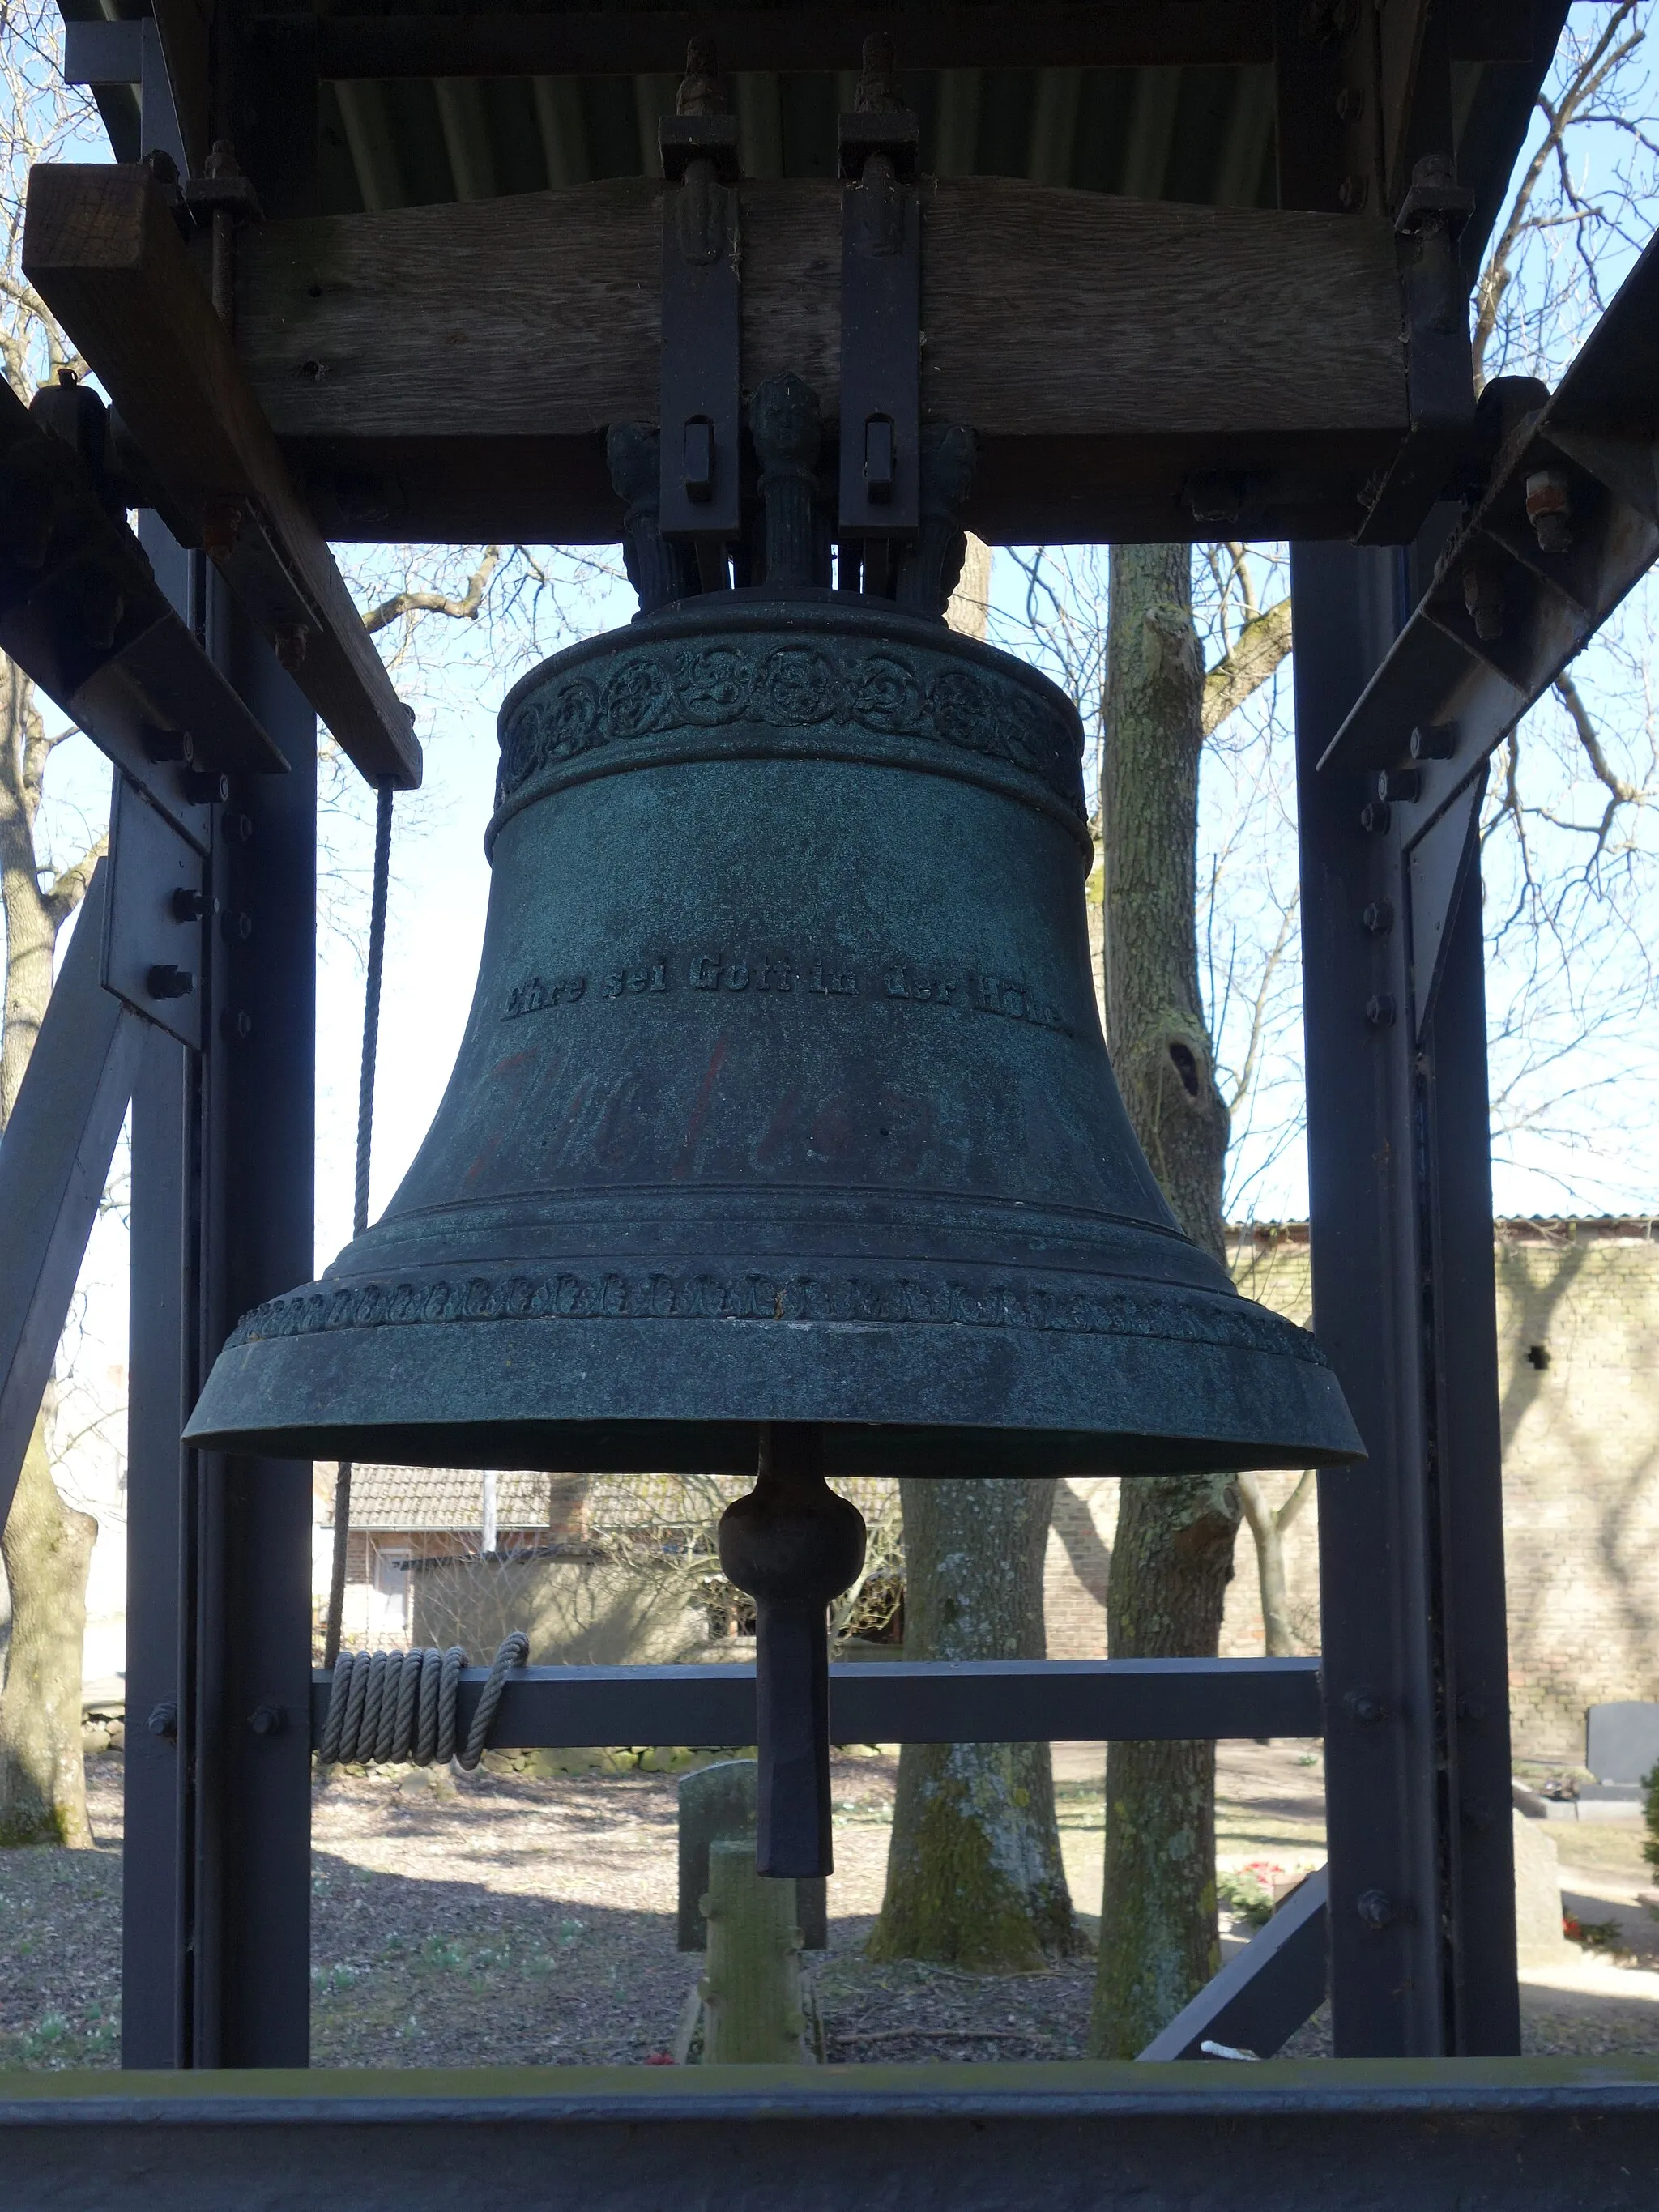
pixel 1199 135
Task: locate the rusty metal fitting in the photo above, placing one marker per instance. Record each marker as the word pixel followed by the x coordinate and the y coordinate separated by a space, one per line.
pixel 1483 595
pixel 1549 509
pixel 221 525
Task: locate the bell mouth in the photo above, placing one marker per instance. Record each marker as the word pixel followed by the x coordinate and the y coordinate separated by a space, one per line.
pixel 953 1396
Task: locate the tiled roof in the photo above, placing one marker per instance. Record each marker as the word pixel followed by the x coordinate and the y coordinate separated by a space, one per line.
pixel 452 1498
pixel 1515 1229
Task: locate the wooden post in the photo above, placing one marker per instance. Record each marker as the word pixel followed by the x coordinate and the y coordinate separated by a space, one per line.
pixel 752 1992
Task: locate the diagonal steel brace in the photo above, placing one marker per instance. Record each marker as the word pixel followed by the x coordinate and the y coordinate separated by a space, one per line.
pixel 54 1163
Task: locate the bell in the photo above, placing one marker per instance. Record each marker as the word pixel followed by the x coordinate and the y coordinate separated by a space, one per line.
pixel 783 1131
pixel 783 1099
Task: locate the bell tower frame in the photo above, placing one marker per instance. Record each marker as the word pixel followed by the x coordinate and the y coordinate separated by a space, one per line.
pixel 228 307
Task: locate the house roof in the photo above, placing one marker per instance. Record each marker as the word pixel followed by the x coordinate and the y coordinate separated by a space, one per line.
pixel 447 1498
pixel 1513 1229
pixel 450 1499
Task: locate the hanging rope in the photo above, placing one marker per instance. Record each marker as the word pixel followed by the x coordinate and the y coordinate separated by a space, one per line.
pixel 399 1708
pixel 360 1196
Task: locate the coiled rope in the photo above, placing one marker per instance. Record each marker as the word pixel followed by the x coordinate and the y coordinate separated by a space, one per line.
pixel 398 1708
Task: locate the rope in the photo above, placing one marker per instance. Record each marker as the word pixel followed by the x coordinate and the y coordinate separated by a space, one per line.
pixel 398 1708
pixel 359 1195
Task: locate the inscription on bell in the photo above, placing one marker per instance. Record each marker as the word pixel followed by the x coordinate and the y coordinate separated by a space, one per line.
pixel 910 982
pixel 539 991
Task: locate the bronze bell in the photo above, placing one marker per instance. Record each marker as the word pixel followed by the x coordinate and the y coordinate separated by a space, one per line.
pixel 783 1099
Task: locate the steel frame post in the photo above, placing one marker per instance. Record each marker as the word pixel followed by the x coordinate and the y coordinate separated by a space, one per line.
pixel 216 1969
pixel 1411 1547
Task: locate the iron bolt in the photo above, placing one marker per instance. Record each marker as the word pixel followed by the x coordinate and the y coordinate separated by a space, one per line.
pixel 267 1720
pixel 1434 741
pixel 1351 192
pixel 1378 918
pixel 1350 102
pixel 1402 783
pixel 1380 1010
pixel 1375 816
pixel 204 788
pixel 1549 510
pixel 164 1719
pixel 166 982
pixel 238 927
pixel 1483 595
pixel 1375 1908
pixel 1365 1707
pixel 241 829
pixel 191 906
pixel 238 1025
pixel 162 744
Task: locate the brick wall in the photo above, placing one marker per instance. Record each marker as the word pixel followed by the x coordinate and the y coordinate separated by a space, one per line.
pixel 1578 1365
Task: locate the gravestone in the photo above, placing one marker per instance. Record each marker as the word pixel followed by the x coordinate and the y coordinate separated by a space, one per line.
pixel 717 1805
pixel 1621 1741
pixel 1539 1941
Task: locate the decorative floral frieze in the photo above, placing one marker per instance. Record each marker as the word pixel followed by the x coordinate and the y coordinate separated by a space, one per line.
pixel 795 688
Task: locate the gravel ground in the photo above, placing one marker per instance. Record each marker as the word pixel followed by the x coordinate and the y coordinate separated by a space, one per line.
pixel 510 1919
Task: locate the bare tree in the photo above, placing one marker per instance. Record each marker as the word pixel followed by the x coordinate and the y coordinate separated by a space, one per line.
pixel 974 1876
pixel 46 1545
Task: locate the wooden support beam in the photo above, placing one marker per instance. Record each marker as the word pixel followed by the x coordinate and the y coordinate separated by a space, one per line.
pixel 1134 370
pixel 101 247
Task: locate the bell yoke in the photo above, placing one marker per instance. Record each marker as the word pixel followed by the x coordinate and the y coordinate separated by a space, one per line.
pixel 783 1131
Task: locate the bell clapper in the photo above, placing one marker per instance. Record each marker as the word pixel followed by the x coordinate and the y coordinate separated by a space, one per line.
pixel 792 1545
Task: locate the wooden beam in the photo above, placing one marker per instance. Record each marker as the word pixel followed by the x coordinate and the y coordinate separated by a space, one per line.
pixel 101 248
pixel 448 370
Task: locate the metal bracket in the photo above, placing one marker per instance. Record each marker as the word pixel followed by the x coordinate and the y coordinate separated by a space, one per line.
pixel 158 906
pixel 702 319
pixel 1437 868
pixel 880 311
pixel 1566 525
pixel 1439 371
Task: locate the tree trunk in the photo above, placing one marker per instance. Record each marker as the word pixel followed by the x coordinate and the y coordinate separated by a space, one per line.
pixel 31 925
pixel 974 1872
pixel 1172 1557
pixel 1267 1525
pixel 47 1549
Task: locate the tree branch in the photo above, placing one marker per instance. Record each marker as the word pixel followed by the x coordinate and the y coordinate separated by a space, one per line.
pixel 1242 671
pixel 68 887
pixel 1623 794
pixel 464 609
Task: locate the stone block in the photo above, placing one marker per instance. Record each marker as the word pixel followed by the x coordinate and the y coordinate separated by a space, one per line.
pixel 1539 1941
pixel 717 1805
